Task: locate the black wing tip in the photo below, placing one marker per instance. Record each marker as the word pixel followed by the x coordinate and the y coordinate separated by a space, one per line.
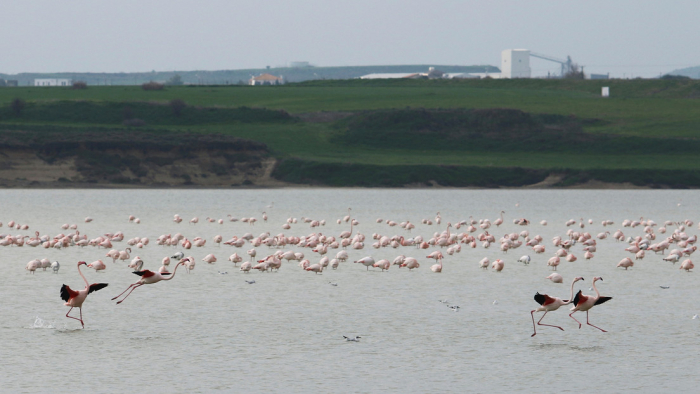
pixel 166 273
pixel 577 297
pixel 602 300
pixel 539 298
pixel 139 273
pixel 64 293
pixel 97 286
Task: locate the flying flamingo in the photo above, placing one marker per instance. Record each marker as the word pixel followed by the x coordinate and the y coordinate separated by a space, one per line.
pixel 75 299
pixel 550 304
pixel 147 278
pixel 585 303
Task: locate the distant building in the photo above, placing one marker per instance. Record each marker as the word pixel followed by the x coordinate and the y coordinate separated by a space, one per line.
pixel 298 64
pixel 391 76
pixel 11 82
pixel 431 74
pixel 515 63
pixel 53 82
pixel 599 76
pixel 266 79
pixel 472 75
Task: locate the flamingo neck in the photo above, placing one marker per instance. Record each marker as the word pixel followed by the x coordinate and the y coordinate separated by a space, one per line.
pixel 596 290
pixel 81 274
pixel 174 271
pixel 571 298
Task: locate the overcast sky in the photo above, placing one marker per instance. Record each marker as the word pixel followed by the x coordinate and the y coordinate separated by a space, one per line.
pixel 623 37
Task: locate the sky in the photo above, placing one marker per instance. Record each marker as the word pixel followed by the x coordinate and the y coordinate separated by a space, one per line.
pixel 626 38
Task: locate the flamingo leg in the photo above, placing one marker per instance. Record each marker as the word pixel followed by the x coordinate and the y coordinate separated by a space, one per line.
pixel 81 316
pixel 71 317
pixel 587 322
pixel 548 325
pixel 133 284
pixel 129 293
pixel 532 314
pixel 579 323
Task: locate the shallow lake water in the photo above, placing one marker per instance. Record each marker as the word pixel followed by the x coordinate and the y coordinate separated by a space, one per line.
pixel 205 331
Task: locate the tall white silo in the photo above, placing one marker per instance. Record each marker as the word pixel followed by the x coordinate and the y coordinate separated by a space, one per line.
pixel 515 63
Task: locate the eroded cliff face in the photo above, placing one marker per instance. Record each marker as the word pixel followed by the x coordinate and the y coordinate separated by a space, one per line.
pixel 126 163
pixel 135 168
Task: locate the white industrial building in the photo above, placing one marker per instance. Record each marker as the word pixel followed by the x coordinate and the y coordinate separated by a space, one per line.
pixel 390 75
pixel 53 82
pixel 515 63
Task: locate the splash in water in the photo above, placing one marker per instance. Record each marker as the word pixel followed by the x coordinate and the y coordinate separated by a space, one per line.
pixel 41 323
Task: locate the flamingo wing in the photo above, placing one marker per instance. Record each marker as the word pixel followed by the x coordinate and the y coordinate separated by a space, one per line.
pixel 579 298
pixel 96 286
pixel 540 298
pixel 602 300
pixel 144 273
pixel 67 293
pixel 543 299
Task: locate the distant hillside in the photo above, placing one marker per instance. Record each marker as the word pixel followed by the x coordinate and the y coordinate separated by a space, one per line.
pixel 225 77
pixel 692 72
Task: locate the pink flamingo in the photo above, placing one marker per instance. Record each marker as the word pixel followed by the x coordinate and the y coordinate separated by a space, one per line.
pixel 499 221
pixel 550 304
pixel 210 258
pixel 75 299
pixel 437 267
pixel 147 278
pixel 584 303
pixel 366 261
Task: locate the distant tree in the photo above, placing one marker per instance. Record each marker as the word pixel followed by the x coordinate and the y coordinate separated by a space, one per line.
pixel 17 106
pixel 152 86
pixel 177 105
pixel 576 72
pixel 174 80
pixel 79 85
pixel 669 76
pixel 2 82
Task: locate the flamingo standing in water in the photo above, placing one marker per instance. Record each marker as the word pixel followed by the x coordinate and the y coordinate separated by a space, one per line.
pixel 148 277
pixel 584 303
pixel 550 304
pixel 75 299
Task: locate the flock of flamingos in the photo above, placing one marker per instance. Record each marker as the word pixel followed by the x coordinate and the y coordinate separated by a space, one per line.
pixel 673 243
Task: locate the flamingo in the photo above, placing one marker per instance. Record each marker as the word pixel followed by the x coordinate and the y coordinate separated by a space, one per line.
pixel 55 266
pixel 499 221
pixel 210 258
pixel 584 303
pixel 147 278
pixel 75 299
pixel 550 304
pixel 687 265
pixel 498 265
pixel 367 262
pixel 97 265
pixel 556 278
pixel 437 268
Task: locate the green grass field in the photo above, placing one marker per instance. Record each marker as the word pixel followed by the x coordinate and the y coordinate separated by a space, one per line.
pixel 653 113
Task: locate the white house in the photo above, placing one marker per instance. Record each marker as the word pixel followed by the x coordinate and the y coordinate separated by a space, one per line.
pixel 53 82
pixel 266 79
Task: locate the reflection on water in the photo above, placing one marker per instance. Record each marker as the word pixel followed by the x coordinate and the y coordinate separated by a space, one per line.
pixel 204 331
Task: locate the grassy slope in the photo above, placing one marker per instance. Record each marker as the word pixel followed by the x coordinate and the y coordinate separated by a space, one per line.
pixel 651 108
